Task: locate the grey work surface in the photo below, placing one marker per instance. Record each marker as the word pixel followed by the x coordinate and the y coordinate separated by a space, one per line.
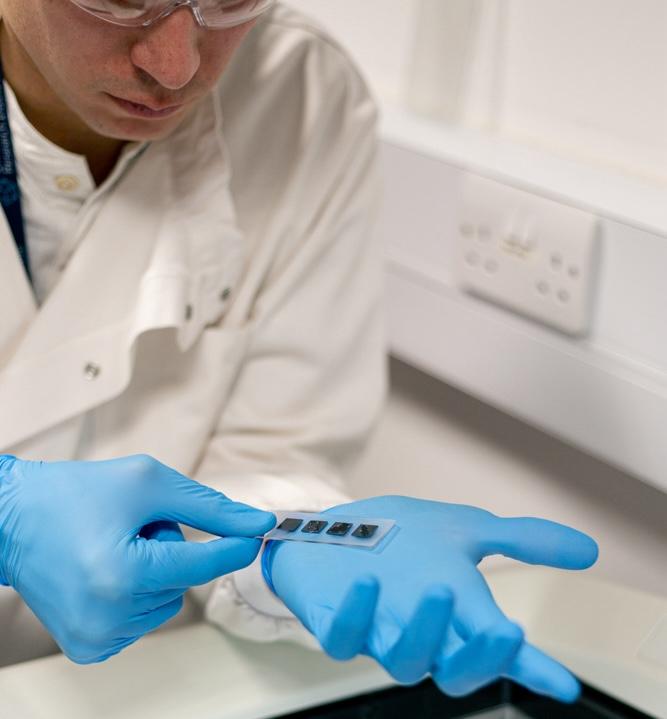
pixel 614 638
pixel 193 671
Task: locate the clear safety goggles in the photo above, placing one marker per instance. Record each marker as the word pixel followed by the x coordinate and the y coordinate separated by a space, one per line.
pixel 212 14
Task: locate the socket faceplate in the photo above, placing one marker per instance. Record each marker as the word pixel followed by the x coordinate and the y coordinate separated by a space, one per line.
pixel 531 254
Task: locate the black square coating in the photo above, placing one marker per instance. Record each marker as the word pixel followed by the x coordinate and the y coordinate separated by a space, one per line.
pixel 339 529
pixel 315 526
pixel 290 524
pixel 365 531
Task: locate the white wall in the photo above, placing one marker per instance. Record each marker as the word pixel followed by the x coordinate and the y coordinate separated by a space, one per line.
pixel 378 33
pixel 589 78
pixel 439 443
pixel 584 78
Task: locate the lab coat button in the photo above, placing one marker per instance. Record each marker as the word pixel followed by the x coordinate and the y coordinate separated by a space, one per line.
pixel 67 183
pixel 91 371
pixel 224 295
pixel 188 313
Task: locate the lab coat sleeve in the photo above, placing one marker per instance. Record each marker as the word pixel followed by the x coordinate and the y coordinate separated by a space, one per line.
pixel 313 379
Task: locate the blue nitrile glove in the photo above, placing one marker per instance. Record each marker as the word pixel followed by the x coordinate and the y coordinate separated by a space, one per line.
pixel 94 549
pixel 417 602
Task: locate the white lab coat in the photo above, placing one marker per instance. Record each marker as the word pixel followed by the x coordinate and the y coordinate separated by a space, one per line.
pixel 222 310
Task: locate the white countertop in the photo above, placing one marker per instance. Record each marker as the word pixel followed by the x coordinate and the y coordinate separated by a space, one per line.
pixel 613 637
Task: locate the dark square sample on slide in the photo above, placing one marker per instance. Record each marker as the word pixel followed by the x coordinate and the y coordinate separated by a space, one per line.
pixel 365 531
pixel 339 529
pixel 290 524
pixel 315 526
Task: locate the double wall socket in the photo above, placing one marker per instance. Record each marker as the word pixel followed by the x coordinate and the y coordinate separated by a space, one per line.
pixel 535 256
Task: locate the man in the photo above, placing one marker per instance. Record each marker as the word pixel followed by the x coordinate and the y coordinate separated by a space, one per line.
pixel 193 293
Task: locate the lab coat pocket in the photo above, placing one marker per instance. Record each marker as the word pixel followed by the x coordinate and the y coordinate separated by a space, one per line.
pixel 210 296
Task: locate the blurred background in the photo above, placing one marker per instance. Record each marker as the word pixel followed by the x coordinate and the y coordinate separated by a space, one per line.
pixel 494 402
pixel 524 228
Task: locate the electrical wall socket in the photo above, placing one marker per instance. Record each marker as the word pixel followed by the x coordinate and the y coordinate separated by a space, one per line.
pixel 530 254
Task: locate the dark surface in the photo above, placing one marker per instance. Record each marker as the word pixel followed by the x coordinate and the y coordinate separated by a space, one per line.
pixel 290 524
pixel 315 526
pixel 365 531
pixel 339 529
pixel 425 701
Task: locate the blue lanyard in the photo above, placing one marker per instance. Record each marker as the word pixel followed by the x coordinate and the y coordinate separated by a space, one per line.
pixel 10 194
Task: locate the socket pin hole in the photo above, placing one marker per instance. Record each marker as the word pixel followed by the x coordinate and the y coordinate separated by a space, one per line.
pixel 563 295
pixel 543 287
pixel 491 266
pixel 483 233
pixel 573 272
pixel 472 258
pixel 467 230
pixel 556 262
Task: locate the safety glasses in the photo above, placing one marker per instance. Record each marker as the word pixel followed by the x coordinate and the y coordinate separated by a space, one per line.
pixel 212 14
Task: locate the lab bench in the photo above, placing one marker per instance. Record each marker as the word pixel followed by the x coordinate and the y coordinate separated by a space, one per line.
pixel 614 638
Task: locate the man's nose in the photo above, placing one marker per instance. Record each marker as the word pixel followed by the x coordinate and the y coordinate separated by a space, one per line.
pixel 168 51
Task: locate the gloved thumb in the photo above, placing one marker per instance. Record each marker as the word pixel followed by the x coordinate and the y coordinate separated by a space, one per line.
pixel 540 541
pixel 177 498
pixel 178 565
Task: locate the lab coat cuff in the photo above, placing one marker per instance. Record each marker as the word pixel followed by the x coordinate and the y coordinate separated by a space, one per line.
pixel 253 589
pixel 242 603
pixel 228 609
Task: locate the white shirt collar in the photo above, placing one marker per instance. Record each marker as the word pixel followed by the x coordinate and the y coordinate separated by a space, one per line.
pixel 46 161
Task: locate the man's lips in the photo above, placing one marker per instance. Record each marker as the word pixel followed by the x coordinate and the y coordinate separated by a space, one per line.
pixel 143 110
pixel 150 104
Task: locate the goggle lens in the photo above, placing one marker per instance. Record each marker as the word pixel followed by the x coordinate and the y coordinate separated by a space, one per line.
pixel 214 13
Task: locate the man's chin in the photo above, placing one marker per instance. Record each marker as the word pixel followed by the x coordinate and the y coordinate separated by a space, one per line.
pixel 139 129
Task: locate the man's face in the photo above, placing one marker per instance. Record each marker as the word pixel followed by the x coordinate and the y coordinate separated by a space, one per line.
pixel 81 61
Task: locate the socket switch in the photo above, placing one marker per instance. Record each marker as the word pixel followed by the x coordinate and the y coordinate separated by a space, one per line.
pixel 528 253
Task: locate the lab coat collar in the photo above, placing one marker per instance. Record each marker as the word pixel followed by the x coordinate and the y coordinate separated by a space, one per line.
pixel 163 252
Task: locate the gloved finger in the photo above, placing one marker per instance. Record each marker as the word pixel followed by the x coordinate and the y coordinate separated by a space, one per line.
pixel 163 532
pixel 412 657
pixel 170 565
pixel 476 609
pixel 539 541
pixel 169 495
pixel 343 632
pixel 541 674
pixel 482 660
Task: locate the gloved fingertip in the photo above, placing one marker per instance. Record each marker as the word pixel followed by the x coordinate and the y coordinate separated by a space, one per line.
pixel 267 518
pixel 440 594
pixel 570 692
pixel 248 544
pixel 591 553
pixel 249 521
pixel 242 508
pixel 582 553
pixel 367 582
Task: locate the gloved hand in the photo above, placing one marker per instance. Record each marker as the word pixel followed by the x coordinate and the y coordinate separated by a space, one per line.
pixel 93 548
pixel 417 602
